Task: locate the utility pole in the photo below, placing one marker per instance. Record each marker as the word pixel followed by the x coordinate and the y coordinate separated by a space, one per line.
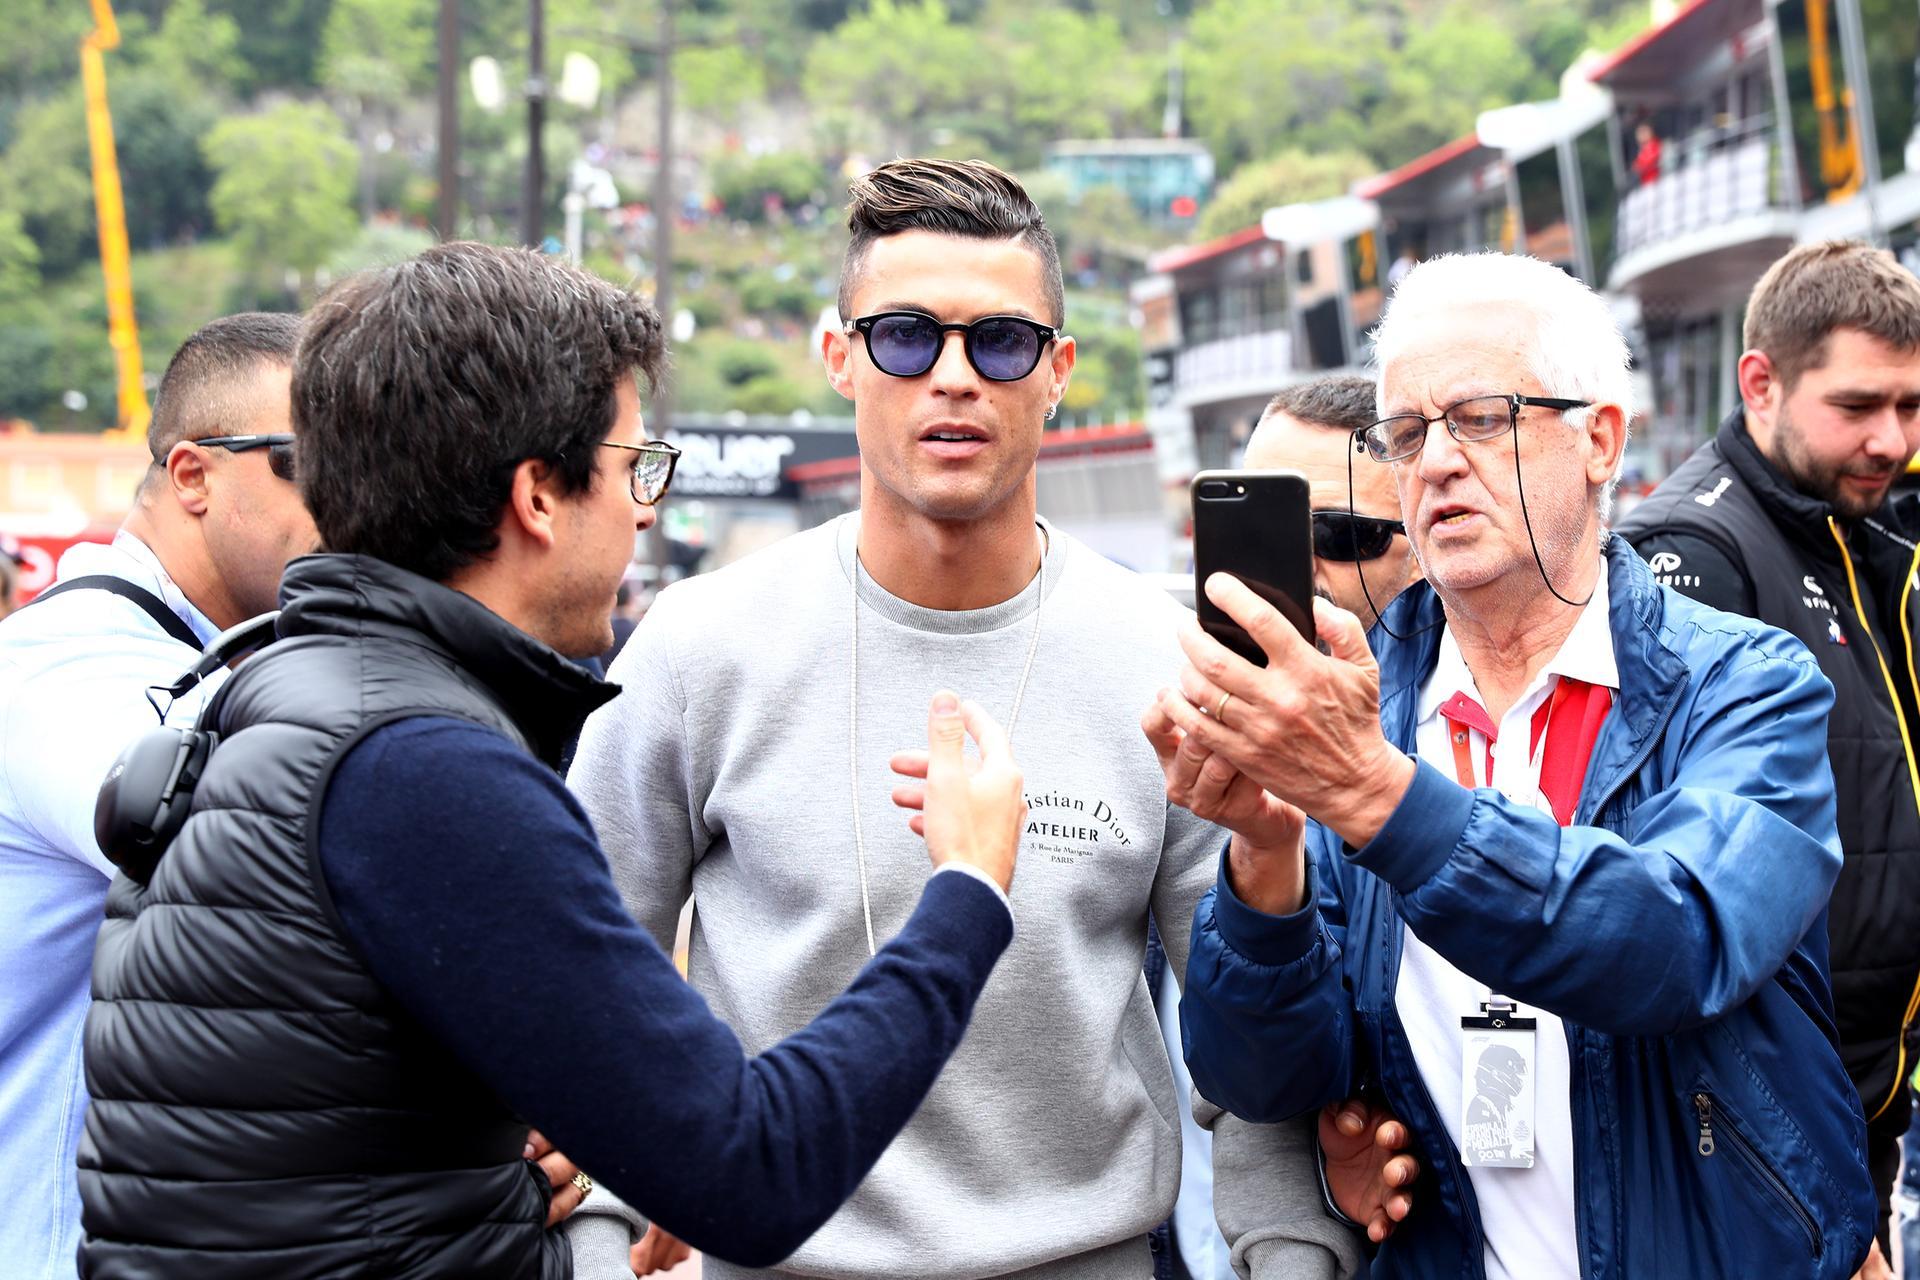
pixel 534 206
pixel 449 158
pixel 663 213
pixel 661 47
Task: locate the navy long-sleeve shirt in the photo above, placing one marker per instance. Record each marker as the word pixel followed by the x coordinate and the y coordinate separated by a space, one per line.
pixel 471 882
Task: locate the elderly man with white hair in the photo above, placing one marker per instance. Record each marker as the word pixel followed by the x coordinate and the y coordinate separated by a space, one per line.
pixel 1548 871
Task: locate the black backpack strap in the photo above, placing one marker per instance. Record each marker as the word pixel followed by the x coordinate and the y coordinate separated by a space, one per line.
pixel 170 622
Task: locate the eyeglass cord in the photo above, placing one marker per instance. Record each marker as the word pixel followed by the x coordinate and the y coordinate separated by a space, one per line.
pixel 1380 617
pixel 1539 564
pixel 853 708
pixel 1532 543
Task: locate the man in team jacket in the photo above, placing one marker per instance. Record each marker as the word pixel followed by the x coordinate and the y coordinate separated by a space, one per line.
pixel 1784 516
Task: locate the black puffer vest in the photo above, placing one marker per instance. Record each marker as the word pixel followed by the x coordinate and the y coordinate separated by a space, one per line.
pixel 261 1107
pixel 1843 593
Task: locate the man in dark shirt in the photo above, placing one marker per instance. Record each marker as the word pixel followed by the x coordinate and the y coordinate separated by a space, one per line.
pixel 1784 516
pixel 386 938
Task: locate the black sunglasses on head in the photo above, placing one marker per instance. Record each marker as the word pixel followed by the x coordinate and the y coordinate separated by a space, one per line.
pixel 905 344
pixel 279 447
pixel 1346 537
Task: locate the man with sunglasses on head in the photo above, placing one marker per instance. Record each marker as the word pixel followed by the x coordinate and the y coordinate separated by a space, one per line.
pixel 745 766
pixel 215 520
pixel 1362 558
pixel 1547 868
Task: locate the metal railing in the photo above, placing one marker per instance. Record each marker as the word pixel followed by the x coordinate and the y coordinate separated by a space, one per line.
pixel 1234 324
pixel 1235 359
pixel 1706 178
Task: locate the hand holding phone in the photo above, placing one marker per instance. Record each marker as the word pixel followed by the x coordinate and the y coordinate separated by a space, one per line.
pixel 1257 526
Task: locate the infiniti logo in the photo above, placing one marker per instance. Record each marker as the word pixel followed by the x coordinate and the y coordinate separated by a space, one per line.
pixel 1664 562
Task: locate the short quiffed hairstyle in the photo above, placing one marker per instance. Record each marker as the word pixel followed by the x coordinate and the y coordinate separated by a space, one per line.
pixel 1344 402
pixel 967 198
pixel 1818 288
pixel 419 388
pixel 203 391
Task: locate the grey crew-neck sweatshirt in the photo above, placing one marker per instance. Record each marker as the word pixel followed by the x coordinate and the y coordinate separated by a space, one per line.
pixel 1048 1147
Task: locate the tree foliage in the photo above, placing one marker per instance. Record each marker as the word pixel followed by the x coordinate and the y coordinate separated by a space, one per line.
pixel 1388 78
pixel 1286 178
pixel 1448 70
pixel 1057 73
pixel 908 77
pixel 56 205
pixel 226 155
pixel 745 185
pixel 164 177
pixel 1262 74
pixel 279 42
pixel 284 186
pixel 719 80
pixel 195 51
pixel 38 55
pixel 19 260
pixel 902 68
pixel 378 51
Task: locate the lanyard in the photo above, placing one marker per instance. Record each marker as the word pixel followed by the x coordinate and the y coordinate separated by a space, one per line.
pixel 1563 732
pixel 1497 1050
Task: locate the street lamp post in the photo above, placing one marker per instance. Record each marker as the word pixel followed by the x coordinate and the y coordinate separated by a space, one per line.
pixel 659 411
pixel 663 204
pixel 449 158
pixel 533 209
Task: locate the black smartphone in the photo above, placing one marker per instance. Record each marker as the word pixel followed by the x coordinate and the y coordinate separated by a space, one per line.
pixel 1257 526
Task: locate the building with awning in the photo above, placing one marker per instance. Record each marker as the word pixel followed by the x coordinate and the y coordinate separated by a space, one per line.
pixel 1774 122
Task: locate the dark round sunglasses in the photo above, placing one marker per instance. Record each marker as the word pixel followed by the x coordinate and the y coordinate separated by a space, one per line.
pixel 279 447
pixel 905 344
pixel 1346 537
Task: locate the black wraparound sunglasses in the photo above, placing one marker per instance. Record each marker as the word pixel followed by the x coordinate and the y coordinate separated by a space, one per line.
pixel 905 344
pixel 279 447
pixel 1346 537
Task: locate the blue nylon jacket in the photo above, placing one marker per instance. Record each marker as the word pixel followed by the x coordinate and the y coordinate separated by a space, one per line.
pixel 1678 927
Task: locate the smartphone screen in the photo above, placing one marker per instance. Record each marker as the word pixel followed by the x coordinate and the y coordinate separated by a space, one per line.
pixel 1257 526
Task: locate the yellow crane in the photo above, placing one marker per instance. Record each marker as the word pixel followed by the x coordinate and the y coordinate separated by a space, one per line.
pixel 111 213
pixel 1840 167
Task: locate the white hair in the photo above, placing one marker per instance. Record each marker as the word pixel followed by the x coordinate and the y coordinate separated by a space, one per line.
pixel 1578 351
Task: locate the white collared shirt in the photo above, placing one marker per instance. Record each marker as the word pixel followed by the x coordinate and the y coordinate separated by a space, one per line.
pixel 73 678
pixel 1527 1214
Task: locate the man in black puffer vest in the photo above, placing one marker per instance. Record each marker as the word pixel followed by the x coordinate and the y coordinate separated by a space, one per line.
pixel 386 940
pixel 1784 517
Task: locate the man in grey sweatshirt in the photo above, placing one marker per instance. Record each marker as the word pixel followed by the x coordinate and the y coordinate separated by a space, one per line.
pixel 745 767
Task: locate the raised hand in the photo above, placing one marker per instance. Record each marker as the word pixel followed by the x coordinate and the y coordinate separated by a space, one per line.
pixel 1305 727
pixel 968 811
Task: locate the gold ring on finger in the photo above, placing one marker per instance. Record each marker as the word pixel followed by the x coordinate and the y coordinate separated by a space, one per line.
pixel 583 1184
pixel 1221 708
